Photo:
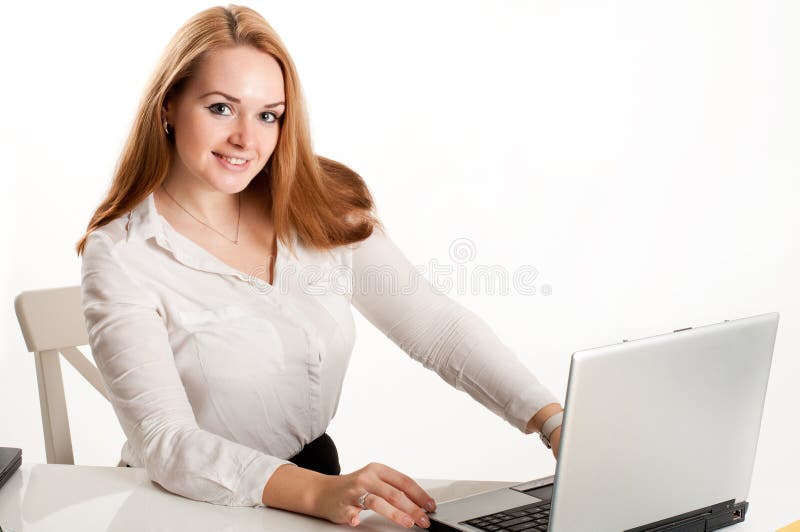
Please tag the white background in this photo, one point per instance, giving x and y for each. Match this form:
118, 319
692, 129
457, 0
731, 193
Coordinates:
642, 156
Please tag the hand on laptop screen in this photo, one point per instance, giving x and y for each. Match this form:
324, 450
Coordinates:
555, 439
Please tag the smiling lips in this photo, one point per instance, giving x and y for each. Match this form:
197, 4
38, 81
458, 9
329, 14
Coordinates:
232, 163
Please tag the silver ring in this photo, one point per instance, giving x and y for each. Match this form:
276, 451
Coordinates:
363, 499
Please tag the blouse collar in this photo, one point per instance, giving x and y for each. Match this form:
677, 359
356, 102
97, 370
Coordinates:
145, 222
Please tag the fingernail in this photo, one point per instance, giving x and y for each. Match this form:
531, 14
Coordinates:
424, 522
431, 506
408, 522
354, 521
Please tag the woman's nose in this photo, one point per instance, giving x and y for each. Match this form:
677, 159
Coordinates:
243, 135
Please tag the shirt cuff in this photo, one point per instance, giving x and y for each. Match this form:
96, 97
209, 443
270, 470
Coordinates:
520, 411
254, 478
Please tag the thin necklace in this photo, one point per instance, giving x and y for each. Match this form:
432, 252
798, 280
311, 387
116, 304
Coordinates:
239, 196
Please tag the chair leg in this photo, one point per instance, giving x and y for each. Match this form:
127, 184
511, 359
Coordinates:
55, 423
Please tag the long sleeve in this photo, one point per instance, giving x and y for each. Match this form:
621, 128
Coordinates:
130, 345
440, 333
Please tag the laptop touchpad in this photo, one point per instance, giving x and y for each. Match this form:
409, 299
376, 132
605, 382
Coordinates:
483, 503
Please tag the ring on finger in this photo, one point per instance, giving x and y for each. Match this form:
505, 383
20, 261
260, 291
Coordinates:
363, 499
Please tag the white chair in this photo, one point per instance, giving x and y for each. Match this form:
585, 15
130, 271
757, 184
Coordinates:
52, 323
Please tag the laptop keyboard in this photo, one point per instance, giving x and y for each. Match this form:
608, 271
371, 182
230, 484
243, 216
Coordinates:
531, 517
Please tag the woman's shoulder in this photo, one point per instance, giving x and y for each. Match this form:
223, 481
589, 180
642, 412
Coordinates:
111, 233
342, 250
109, 237
371, 249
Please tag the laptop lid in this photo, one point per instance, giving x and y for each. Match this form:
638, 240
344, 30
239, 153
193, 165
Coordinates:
661, 426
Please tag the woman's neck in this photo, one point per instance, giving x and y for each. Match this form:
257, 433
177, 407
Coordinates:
204, 202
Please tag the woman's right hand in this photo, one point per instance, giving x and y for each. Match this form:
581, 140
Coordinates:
391, 494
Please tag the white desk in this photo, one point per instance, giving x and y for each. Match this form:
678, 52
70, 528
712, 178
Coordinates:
62, 498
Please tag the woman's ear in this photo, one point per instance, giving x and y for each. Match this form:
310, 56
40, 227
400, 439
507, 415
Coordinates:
167, 109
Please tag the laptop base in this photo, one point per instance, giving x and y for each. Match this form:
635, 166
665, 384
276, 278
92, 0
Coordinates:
702, 520
706, 519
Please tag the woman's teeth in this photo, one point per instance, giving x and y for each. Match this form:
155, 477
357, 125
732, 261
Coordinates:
232, 160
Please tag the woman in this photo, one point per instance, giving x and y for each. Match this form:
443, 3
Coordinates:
217, 280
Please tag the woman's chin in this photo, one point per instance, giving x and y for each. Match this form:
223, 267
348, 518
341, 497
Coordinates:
231, 184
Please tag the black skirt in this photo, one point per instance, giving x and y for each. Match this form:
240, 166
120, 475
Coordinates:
319, 455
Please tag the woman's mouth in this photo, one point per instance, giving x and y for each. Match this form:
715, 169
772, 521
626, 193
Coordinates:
231, 163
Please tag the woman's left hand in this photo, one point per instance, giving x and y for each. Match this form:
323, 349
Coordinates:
555, 439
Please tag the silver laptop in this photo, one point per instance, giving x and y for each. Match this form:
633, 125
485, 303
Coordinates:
659, 434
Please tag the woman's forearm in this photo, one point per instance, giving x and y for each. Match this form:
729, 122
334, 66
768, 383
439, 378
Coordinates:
292, 488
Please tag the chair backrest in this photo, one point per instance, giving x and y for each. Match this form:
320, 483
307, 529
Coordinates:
52, 323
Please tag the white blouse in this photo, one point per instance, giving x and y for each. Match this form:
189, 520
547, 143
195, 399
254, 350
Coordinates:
218, 378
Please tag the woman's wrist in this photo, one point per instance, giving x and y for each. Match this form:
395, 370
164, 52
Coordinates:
540, 417
551, 424
293, 488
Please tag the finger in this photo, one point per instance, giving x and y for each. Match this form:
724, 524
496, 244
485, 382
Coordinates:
397, 499
378, 504
352, 516
408, 486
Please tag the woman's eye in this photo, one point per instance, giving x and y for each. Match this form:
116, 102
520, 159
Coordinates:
218, 108
269, 117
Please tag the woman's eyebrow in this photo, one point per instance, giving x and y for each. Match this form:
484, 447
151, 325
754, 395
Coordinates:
237, 100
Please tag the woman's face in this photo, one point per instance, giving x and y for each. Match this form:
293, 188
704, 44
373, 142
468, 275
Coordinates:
225, 119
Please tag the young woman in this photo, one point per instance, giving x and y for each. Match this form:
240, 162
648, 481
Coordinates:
218, 276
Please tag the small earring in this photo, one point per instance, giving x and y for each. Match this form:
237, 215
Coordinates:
166, 127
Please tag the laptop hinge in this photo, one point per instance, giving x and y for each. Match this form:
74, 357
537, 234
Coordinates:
702, 520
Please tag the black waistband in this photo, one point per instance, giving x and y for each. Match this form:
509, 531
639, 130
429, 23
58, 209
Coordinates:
319, 455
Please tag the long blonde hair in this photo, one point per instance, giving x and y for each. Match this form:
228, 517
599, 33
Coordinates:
323, 201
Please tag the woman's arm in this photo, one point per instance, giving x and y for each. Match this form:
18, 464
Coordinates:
442, 335
130, 345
